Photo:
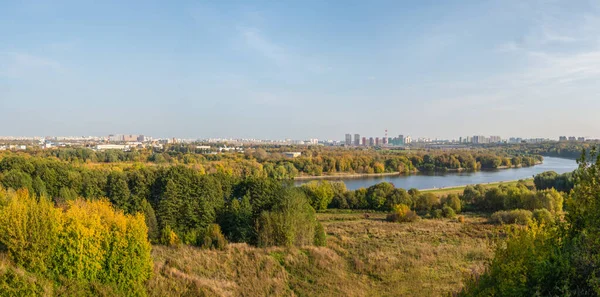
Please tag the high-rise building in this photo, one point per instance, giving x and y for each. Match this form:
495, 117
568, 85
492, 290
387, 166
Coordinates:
377, 141
495, 139
581, 139
356, 139
371, 141
384, 141
562, 138
348, 139
572, 138
407, 140
364, 141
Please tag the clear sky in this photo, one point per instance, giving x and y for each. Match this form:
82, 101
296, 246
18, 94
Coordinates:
300, 68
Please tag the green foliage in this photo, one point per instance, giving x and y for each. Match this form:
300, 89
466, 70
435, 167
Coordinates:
151, 222
320, 236
543, 216
515, 216
427, 202
448, 212
453, 201
168, 237
319, 193
212, 238
528, 263
291, 223
14, 282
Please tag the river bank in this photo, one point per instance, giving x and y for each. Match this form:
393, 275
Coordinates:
361, 175
448, 180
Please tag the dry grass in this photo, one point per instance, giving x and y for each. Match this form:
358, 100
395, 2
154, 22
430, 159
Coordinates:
364, 257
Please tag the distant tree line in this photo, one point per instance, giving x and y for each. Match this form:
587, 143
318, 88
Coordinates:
314, 161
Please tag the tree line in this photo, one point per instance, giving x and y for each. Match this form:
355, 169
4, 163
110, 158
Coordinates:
314, 161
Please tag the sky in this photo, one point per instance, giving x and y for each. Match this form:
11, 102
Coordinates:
300, 69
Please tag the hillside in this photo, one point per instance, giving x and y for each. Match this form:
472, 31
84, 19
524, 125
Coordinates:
363, 257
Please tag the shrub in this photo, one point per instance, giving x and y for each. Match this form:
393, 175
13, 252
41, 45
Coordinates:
453, 201
427, 202
460, 219
515, 216
436, 214
169, 237
448, 212
291, 223
543, 216
320, 236
212, 238
402, 213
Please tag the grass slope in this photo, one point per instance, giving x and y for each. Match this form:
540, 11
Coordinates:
364, 257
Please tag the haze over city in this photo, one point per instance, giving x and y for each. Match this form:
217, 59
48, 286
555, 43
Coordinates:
299, 69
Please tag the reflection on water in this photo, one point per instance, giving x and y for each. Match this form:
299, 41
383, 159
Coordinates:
441, 180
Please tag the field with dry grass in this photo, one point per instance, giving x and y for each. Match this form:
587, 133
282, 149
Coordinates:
365, 256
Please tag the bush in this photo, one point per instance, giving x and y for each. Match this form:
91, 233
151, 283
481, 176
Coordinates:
427, 202
291, 223
212, 238
402, 213
453, 201
448, 212
320, 236
437, 214
460, 219
169, 237
543, 216
516, 216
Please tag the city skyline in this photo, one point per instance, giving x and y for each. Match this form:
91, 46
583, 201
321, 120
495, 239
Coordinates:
278, 70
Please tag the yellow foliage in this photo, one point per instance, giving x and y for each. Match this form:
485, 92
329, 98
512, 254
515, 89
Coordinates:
88, 241
29, 229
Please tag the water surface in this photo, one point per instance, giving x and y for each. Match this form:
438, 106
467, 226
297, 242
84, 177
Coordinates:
441, 180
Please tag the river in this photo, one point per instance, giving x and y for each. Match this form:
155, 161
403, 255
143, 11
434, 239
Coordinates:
442, 180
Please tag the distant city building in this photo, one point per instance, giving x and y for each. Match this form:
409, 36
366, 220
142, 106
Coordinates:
348, 139
377, 141
407, 140
292, 154
364, 141
562, 138
572, 138
371, 141
102, 147
115, 138
581, 139
495, 139
515, 140
356, 139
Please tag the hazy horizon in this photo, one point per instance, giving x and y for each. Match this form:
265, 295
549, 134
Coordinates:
306, 69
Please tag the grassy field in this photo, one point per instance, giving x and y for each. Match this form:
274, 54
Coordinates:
365, 256
459, 190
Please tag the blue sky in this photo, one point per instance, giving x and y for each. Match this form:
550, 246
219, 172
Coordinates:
300, 69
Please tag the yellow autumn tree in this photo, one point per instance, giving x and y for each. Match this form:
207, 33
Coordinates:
87, 241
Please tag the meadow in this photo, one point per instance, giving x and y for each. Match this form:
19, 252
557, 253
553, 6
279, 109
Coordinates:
365, 256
